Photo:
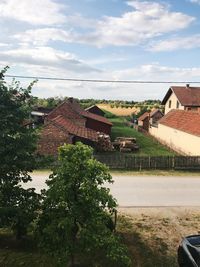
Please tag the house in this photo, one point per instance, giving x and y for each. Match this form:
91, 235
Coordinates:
147, 119
183, 98
95, 110
155, 116
38, 114
143, 121
69, 123
179, 130
72, 110
61, 130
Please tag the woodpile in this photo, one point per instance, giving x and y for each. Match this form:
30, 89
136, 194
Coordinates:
104, 143
125, 144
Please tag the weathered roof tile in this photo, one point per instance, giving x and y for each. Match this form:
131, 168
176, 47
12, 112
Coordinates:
186, 121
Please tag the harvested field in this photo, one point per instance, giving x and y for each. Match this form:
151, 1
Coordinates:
119, 111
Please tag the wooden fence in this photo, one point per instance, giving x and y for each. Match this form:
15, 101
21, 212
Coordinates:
130, 162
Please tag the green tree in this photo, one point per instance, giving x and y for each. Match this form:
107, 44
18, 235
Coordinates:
17, 144
76, 218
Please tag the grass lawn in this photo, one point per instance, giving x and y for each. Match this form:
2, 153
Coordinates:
148, 145
152, 236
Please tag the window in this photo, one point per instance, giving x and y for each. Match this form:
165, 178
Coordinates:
170, 103
177, 104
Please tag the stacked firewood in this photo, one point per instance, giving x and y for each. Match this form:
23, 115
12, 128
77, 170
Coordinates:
104, 143
125, 144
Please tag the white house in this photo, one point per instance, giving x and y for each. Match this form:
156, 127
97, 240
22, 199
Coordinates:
179, 130
183, 98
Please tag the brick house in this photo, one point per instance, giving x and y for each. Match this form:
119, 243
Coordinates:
61, 130
73, 111
69, 123
183, 98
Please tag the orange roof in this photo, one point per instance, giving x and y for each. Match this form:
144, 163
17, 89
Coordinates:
185, 121
187, 96
143, 116
67, 125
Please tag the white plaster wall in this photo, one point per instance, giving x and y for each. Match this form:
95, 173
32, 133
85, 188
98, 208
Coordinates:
173, 99
179, 141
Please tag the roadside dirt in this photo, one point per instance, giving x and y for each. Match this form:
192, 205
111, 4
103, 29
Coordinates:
154, 234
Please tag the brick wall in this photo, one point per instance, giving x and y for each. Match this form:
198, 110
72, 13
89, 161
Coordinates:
51, 138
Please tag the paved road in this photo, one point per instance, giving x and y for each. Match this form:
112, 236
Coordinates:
143, 191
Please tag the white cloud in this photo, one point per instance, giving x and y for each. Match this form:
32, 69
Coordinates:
44, 35
113, 90
195, 1
45, 57
146, 21
35, 12
175, 43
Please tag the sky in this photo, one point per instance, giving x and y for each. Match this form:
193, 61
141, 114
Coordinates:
101, 39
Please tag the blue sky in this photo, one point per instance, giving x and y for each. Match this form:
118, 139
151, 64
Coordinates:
101, 39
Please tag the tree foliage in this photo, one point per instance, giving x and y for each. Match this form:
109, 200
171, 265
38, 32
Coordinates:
17, 144
76, 217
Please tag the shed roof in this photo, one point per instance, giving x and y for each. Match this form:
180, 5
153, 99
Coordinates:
94, 106
143, 116
75, 106
67, 125
186, 121
152, 113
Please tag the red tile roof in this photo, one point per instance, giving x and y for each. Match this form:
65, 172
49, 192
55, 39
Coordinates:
186, 121
73, 105
187, 96
67, 125
76, 106
143, 116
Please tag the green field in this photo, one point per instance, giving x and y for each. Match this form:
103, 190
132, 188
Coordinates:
148, 145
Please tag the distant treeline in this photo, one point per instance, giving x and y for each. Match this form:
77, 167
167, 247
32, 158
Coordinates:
52, 102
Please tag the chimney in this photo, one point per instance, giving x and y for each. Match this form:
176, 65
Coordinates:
187, 85
70, 99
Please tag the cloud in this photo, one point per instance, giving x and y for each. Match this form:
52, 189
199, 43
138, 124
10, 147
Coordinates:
147, 20
44, 35
175, 43
195, 1
153, 72
45, 57
35, 12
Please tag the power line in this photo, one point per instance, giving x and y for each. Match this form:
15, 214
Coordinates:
99, 80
